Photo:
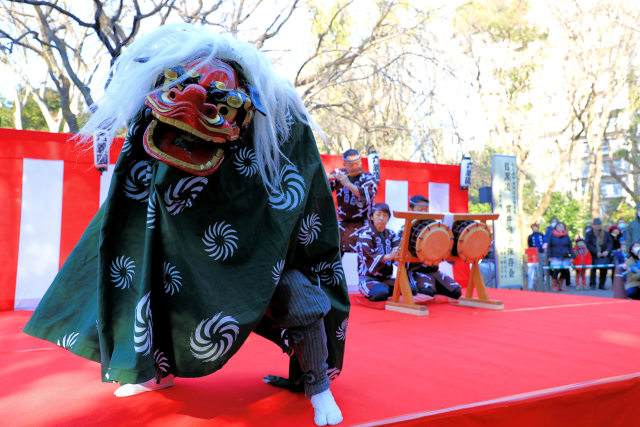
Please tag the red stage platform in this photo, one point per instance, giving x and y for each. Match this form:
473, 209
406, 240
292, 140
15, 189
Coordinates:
546, 359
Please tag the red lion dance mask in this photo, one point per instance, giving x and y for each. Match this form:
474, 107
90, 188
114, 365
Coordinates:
193, 119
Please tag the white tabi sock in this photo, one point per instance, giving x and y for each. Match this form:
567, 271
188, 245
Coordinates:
326, 409
133, 389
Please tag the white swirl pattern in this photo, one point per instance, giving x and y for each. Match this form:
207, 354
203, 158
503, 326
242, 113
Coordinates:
151, 210
291, 191
185, 192
136, 184
246, 162
221, 241
68, 340
122, 271
161, 361
171, 278
143, 326
309, 229
330, 274
214, 337
277, 271
341, 333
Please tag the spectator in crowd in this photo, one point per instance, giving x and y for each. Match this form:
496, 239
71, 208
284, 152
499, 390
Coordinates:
599, 244
560, 254
587, 229
632, 267
622, 225
535, 240
377, 248
633, 230
547, 233
581, 260
616, 240
355, 190
426, 279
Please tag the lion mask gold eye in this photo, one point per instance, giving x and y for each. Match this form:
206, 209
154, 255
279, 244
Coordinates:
170, 74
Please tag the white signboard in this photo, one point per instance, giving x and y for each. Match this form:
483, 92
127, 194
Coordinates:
504, 185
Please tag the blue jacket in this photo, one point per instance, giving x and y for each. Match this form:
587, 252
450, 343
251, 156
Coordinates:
560, 246
535, 240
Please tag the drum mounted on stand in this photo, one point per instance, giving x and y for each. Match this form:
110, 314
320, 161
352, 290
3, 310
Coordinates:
430, 241
472, 240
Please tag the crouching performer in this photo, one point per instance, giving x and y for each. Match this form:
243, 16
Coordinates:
377, 248
219, 222
426, 279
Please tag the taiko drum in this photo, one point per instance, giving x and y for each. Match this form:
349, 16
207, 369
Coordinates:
430, 241
472, 240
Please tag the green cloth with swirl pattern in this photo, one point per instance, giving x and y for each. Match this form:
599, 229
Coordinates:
176, 270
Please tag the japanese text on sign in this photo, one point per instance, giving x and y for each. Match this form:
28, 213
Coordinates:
504, 183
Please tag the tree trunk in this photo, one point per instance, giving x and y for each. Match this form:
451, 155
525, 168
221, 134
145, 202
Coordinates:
600, 128
52, 123
546, 198
521, 223
19, 103
597, 178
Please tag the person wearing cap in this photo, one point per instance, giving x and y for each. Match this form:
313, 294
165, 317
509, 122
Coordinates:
599, 244
355, 190
632, 234
377, 248
426, 279
581, 260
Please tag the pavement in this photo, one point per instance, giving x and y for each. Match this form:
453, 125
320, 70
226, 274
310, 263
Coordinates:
604, 293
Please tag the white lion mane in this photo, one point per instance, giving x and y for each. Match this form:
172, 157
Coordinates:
135, 71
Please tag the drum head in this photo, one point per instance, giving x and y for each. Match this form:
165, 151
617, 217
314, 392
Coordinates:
474, 242
434, 243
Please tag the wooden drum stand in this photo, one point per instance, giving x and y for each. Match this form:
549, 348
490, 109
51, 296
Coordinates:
427, 241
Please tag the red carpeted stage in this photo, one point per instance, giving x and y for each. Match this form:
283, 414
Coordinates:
546, 359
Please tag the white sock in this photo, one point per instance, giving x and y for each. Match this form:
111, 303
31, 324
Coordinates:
326, 409
133, 389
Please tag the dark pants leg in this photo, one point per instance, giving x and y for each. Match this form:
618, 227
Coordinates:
300, 307
376, 289
445, 285
603, 278
424, 283
565, 274
592, 278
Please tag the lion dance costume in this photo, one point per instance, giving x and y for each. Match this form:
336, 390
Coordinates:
219, 222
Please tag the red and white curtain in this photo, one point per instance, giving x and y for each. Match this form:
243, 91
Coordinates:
51, 190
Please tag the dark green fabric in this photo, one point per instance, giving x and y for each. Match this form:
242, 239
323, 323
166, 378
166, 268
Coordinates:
175, 271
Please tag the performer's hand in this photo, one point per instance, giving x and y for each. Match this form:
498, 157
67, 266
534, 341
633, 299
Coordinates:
343, 178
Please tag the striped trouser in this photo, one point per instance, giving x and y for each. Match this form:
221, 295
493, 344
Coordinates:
300, 306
